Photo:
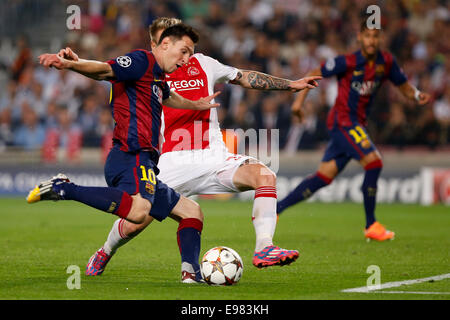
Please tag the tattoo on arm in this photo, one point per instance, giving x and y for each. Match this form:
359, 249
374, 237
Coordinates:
238, 76
262, 81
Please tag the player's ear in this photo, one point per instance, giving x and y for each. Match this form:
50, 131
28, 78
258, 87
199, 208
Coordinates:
165, 43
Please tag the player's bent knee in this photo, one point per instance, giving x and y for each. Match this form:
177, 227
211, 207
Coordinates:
186, 208
266, 177
375, 164
328, 170
140, 209
195, 211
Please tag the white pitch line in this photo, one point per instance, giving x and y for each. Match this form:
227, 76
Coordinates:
412, 292
394, 284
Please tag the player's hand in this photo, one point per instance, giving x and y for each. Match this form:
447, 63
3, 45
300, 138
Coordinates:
53, 60
68, 54
424, 98
205, 103
305, 83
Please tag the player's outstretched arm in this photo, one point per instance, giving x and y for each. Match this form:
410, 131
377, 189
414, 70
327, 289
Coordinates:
178, 102
296, 108
412, 93
262, 81
67, 59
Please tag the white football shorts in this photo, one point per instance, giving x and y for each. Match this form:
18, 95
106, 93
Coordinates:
195, 172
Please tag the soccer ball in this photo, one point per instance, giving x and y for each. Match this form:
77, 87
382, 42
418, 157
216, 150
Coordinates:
221, 266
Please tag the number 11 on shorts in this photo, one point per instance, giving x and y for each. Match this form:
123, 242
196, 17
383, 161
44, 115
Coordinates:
358, 134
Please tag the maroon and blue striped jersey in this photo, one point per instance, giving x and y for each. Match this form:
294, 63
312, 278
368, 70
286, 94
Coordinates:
137, 92
358, 82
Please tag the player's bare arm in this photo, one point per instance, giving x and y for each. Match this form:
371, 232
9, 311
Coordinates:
258, 80
67, 59
178, 102
412, 93
296, 107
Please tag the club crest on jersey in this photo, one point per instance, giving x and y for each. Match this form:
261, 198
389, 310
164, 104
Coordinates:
150, 188
124, 61
193, 71
379, 69
158, 92
365, 88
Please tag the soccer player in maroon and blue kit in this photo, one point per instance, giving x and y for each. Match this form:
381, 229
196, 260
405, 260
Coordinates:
359, 76
138, 91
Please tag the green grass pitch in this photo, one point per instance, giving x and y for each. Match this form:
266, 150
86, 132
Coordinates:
39, 242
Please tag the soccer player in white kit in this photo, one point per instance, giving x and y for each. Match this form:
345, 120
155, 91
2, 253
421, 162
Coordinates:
195, 160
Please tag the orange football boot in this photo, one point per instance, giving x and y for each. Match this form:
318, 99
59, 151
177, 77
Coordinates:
378, 232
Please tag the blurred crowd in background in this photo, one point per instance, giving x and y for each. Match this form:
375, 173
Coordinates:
48, 109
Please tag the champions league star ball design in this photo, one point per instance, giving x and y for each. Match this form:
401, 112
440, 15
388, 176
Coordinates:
221, 266
124, 61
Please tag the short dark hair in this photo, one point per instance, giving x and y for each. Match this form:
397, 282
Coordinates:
178, 31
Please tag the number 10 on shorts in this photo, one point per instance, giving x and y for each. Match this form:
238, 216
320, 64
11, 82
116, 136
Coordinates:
148, 175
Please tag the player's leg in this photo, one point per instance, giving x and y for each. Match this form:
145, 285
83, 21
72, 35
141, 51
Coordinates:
256, 176
355, 141
333, 162
134, 174
190, 217
326, 172
108, 199
122, 232
372, 164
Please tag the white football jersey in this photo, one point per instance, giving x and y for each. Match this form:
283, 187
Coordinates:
189, 129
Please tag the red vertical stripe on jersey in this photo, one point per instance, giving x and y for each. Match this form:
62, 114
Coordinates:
136, 177
388, 60
144, 106
369, 75
344, 86
121, 112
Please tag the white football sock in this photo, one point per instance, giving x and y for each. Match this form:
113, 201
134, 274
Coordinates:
264, 216
116, 238
185, 266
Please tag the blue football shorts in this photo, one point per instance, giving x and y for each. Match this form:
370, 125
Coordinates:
348, 143
136, 173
